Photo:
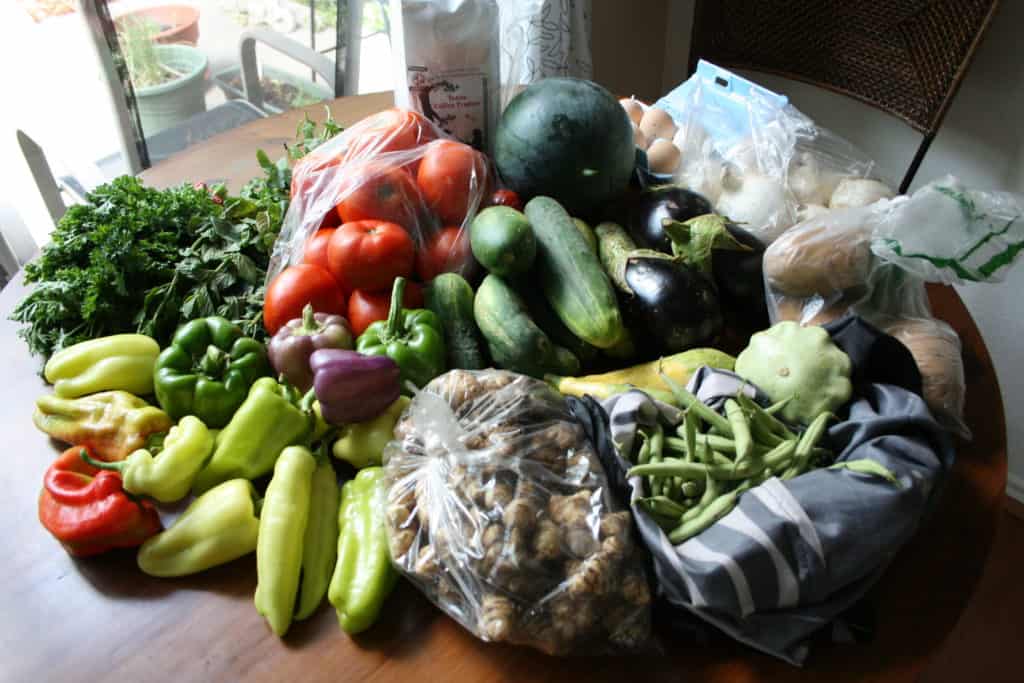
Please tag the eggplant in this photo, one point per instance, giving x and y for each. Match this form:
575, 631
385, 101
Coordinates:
353, 387
739, 276
648, 211
675, 303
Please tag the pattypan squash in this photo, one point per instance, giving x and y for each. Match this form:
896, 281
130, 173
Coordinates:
799, 363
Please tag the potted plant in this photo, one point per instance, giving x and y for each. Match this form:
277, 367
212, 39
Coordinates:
175, 23
169, 80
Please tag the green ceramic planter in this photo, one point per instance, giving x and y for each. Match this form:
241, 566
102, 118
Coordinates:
168, 104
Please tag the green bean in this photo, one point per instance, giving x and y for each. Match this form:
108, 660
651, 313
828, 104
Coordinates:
868, 466
707, 516
691, 489
740, 430
661, 505
691, 471
691, 402
644, 455
780, 455
657, 486
690, 434
765, 419
778, 405
809, 439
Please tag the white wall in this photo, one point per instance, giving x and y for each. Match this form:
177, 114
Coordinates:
981, 141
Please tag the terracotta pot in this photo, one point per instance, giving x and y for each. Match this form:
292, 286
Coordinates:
182, 22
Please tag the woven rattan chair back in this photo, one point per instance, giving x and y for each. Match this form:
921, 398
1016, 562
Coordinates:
904, 57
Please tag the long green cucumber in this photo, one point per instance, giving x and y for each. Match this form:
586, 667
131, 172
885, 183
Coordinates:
571, 276
514, 340
450, 297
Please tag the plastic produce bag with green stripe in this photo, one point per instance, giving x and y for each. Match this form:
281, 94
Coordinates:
874, 261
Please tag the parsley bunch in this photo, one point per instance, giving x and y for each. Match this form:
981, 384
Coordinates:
138, 259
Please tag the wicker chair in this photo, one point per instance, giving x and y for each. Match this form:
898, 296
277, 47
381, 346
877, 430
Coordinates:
904, 57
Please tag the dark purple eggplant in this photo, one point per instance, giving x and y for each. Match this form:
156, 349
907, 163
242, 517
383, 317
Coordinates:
675, 304
739, 276
647, 212
353, 387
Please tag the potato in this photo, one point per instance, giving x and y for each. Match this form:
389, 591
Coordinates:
936, 350
818, 258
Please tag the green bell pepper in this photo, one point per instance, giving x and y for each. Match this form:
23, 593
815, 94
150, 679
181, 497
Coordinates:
320, 543
267, 422
363, 577
362, 444
413, 338
207, 370
168, 477
219, 526
283, 524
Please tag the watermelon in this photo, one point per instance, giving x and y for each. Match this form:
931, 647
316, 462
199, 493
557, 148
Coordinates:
566, 138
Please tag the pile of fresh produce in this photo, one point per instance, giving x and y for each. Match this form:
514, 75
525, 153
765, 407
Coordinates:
427, 310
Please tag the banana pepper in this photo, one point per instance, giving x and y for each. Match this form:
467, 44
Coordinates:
320, 542
269, 420
111, 423
362, 444
413, 338
88, 511
363, 577
168, 477
121, 362
219, 526
283, 524
207, 370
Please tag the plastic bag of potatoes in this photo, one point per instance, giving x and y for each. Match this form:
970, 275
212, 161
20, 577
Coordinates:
874, 261
500, 512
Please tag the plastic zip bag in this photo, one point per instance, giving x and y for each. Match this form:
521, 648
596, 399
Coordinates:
500, 512
373, 171
874, 261
757, 158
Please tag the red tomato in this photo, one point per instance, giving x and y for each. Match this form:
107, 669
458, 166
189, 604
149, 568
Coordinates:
382, 193
297, 286
366, 308
447, 252
448, 175
306, 171
391, 130
330, 220
316, 248
507, 198
370, 254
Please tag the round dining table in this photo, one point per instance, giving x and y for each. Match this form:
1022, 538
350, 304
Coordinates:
101, 618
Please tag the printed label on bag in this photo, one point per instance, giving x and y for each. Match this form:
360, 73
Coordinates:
456, 101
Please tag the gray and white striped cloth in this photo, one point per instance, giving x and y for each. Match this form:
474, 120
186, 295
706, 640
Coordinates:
793, 555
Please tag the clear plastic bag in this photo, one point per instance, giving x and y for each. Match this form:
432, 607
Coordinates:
757, 158
500, 512
373, 170
874, 261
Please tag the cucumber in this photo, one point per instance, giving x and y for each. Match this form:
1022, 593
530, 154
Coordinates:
613, 247
551, 324
514, 340
587, 232
450, 297
502, 241
571, 276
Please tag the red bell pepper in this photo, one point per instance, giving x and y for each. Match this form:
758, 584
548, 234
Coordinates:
87, 510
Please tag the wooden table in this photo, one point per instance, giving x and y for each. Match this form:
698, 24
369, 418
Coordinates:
102, 619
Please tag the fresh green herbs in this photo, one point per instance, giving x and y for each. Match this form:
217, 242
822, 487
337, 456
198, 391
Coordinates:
138, 259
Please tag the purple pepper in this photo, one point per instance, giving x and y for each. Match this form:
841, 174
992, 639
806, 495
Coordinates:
352, 387
291, 347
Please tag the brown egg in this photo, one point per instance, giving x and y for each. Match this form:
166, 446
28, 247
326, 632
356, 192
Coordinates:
639, 139
656, 123
633, 108
663, 156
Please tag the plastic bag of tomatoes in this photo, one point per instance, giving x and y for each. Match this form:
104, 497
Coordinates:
390, 196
